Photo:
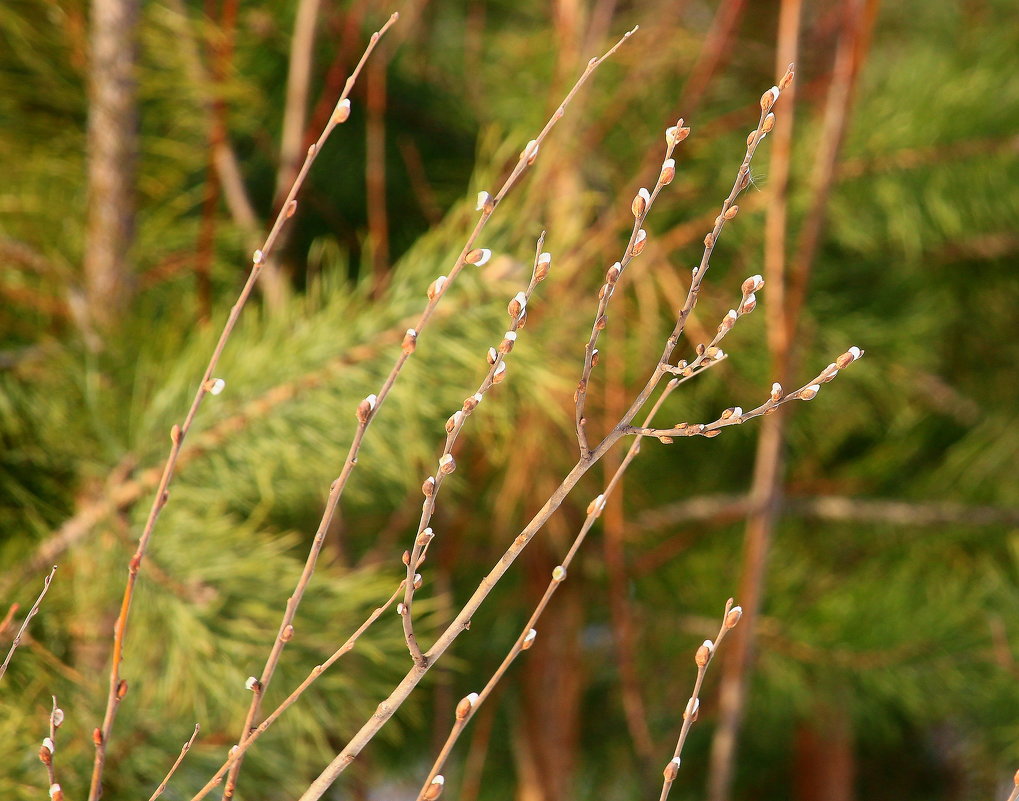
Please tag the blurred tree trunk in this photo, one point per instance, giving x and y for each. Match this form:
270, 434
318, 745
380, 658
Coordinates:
112, 155
825, 763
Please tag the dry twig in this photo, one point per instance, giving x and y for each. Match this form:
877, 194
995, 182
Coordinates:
173, 768
208, 384
703, 658
28, 618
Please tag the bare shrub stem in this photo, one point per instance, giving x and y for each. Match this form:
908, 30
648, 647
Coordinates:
118, 686
28, 618
730, 617
173, 768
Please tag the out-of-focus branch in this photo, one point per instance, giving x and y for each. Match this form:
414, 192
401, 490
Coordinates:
28, 619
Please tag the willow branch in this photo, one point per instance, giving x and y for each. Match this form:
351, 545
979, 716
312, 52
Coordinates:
703, 658
517, 310
173, 768
48, 750
238, 751
471, 703
370, 406
728, 212
641, 207
735, 415
28, 619
118, 686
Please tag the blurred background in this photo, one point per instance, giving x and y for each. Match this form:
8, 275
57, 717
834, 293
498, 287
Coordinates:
871, 535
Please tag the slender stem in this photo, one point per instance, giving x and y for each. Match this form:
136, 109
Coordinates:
48, 751
118, 687
433, 484
735, 415
526, 638
704, 656
725, 214
28, 618
173, 768
641, 207
238, 751
436, 292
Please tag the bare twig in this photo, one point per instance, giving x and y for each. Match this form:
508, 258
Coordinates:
370, 406
471, 703
173, 768
28, 618
238, 751
48, 750
703, 658
447, 464
641, 206
118, 686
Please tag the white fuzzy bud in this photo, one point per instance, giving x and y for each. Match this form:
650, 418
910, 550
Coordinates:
216, 386
483, 200
49, 745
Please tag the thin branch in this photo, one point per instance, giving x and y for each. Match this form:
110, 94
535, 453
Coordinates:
641, 206
470, 704
517, 309
28, 618
735, 415
48, 750
388, 707
238, 751
703, 658
118, 686
173, 768
728, 212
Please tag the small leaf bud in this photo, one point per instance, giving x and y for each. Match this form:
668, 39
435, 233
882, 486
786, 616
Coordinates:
613, 273
447, 464
769, 124
672, 769
500, 373
57, 717
418, 581
214, 386
454, 420
704, 653
692, 708
56, 794
410, 341
709, 240
731, 212
466, 704
596, 506
366, 407
401, 609
768, 98
258, 257
508, 339
668, 172
530, 152
288, 634
492, 356
542, 267
121, 689
749, 304
428, 487
517, 305
809, 393
753, 284
253, 684
849, 357
640, 202
478, 256
639, 242
787, 78
776, 391
435, 288
291, 209
484, 200
425, 537
528, 639
594, 357
733, 616
434, 789
342, 111
559, 574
